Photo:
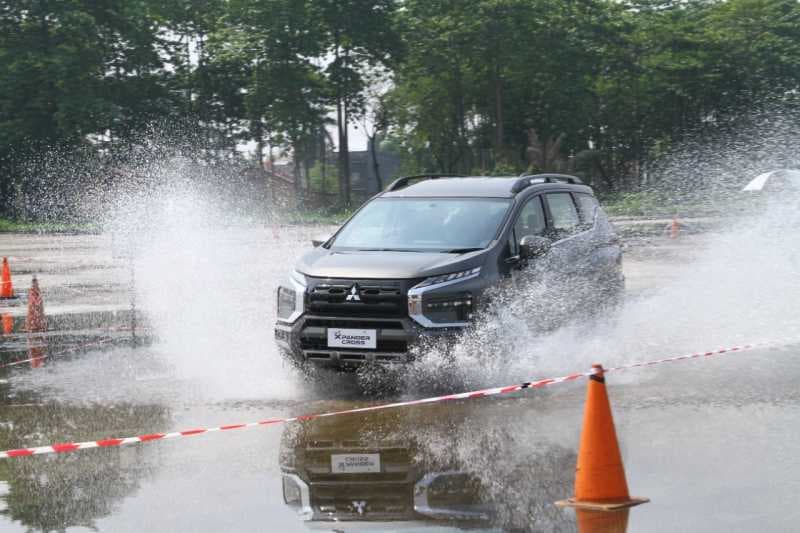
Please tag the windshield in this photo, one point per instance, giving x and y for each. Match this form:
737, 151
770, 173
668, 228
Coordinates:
454, 225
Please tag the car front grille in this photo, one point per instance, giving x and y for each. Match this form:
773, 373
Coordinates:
353, 323
353, 298
376, 500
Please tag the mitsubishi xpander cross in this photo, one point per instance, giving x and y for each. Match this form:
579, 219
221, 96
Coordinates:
419, 259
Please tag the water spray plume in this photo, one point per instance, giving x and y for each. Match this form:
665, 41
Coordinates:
180, 236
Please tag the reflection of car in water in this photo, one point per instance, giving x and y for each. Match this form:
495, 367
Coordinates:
418, 261
456, 465
333, 472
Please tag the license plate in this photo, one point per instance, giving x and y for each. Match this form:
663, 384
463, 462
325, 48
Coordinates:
356, 463
352, 338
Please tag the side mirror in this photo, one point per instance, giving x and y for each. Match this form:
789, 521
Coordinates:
319, 241
532, 246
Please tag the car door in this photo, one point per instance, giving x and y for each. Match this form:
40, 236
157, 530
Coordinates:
605, 252
571, 239
531, 220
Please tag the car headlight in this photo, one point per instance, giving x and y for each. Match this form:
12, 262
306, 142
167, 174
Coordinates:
433, 309
287, 302
296, 495
447, 278
450, 309
291, 298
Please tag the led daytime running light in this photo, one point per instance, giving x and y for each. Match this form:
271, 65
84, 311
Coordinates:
444, 278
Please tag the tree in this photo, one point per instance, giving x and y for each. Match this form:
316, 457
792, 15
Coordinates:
360, 36
71, 70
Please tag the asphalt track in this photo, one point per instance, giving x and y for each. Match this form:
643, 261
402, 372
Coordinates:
712, 442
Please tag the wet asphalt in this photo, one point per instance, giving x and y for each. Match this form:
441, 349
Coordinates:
712, 442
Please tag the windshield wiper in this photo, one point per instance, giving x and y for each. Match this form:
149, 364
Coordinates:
461, 250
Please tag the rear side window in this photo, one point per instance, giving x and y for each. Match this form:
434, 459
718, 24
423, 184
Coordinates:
562, 211
587, 208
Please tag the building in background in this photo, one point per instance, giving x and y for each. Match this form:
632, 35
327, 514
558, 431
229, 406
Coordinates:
366, 179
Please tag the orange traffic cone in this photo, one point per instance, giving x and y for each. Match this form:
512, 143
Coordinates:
35, 321
674, 228
8, 324
6, 288
602, 521
600, 483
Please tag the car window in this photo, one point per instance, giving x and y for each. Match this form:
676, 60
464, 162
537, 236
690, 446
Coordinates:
587, 207
530, 220
562, 212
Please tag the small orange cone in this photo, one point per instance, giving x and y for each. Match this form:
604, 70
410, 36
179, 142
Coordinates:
35, 321
8, 324
600, 483
674, 228
602, 521
6, 288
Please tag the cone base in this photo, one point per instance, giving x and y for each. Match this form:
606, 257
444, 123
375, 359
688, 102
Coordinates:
602, 506
5, 298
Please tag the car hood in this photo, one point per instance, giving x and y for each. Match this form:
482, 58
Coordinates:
323, 263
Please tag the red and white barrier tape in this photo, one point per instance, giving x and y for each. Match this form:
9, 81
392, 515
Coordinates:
113, 442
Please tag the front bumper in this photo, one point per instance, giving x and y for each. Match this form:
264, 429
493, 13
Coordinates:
306, 340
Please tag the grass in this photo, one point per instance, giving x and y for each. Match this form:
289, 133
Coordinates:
16, 226
653, 204
321, 216
634, 204
661, 205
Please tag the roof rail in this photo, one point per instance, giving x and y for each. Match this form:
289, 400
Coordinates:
530, 179
399, 183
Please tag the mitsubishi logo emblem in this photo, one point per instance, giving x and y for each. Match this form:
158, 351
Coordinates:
360, 507
353, 296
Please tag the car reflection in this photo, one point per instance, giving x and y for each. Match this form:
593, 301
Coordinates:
336, 471
442, 466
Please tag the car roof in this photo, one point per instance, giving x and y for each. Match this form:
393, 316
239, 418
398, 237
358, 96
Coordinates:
474, 186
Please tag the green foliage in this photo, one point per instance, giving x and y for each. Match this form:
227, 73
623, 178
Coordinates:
327, 184
591, 86
13, 226
322, 216
598, 87
637, 204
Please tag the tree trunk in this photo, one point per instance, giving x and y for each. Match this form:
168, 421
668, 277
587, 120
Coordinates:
342, 154
373, 150
345, 150
258, 133
324, 162
499, 139
298, 182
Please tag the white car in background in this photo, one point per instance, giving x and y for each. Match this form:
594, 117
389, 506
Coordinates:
774, 181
